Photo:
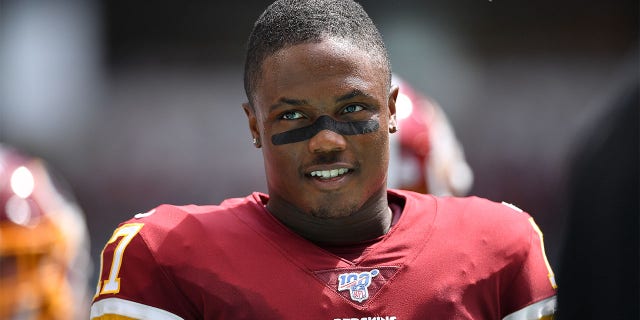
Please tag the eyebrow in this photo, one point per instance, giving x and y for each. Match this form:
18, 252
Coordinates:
300, 102
289, 101
353, 94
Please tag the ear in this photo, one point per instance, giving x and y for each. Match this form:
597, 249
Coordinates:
253, 123
393, 96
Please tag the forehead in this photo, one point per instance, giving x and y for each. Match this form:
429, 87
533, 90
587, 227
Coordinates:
315, 68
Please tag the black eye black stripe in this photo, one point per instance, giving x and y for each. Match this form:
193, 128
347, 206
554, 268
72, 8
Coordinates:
325, 123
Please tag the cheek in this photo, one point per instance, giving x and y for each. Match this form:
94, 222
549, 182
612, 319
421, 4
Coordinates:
379, 151
380, 142
373, 150
280, 161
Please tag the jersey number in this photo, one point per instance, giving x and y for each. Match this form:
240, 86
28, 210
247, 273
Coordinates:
124, 234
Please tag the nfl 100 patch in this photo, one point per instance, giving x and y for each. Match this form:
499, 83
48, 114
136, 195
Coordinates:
358, 285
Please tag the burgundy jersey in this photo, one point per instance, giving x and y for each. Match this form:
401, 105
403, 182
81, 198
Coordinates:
445, 258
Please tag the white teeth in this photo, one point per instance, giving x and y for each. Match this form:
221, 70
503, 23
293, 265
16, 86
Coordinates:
326, 174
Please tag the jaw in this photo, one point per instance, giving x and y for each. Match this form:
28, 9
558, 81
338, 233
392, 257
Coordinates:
328, 201
334, 218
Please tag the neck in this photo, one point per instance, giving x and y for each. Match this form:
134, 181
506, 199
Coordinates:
370, 222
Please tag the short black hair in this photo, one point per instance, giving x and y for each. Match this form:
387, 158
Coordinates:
290, 22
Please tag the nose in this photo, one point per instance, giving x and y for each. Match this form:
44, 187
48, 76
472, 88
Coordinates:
327, 141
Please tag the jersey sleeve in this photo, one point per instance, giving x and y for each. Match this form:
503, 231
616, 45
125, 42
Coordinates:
131, 284
532, 292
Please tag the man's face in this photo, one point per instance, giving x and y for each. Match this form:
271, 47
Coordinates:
330, 174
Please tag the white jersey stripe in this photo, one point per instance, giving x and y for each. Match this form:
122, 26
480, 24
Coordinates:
535, 311
130, 309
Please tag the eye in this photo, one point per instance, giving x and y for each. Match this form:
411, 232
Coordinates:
291, 115
352, 108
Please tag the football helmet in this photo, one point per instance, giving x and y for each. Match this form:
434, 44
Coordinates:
44, 257
426, 156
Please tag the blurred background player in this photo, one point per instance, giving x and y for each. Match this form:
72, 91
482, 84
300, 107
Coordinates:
44, 250
425, 154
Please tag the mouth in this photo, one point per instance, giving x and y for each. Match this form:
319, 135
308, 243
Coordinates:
329, 174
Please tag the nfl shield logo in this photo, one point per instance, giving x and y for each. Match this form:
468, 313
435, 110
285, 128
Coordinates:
357, 283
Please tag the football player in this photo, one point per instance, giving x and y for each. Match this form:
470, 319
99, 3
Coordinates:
425, 154
44, 254
329, 240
